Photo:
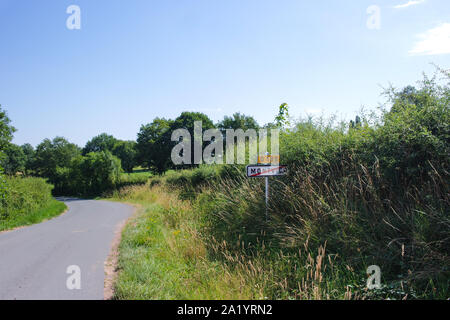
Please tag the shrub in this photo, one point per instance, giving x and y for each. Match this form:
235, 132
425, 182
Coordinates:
27, 201
129, 179
27, 194
155, 182
89, 175
204, 175
3, 191
101, 171
191, 182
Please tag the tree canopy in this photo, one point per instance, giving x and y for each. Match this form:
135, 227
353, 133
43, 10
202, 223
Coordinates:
126, 152
13, 160
238, 121
51, 154
29, 152
6, 130
153, 144
102, 142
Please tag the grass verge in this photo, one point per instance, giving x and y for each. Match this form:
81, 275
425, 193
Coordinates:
166, 253
162, 255
53, 209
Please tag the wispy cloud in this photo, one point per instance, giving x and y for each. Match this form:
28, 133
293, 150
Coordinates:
409, 3
433, 42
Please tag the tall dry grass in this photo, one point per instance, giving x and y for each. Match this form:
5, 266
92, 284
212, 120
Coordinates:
350, 208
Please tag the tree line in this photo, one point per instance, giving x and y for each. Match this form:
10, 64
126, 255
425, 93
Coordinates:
98, 165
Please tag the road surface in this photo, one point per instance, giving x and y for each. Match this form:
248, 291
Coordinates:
34, 260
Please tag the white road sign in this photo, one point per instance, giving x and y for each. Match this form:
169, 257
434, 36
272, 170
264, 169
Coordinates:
256, 171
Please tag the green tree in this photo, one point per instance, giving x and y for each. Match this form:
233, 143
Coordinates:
186, 121
427, 94
154, 145
100, 172
88, 175
154, 142
6, 130
355, 124
282, 119
102, 142
126, 152
6, 134
53, 154
29, 153
238, 121
13, 160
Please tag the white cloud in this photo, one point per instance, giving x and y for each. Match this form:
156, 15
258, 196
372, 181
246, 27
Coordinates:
433, 42
408, 4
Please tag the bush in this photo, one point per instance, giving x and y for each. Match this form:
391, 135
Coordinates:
101, 171
26, 194
155, 182
413, 141
129, 179
191, 181
27, 201
204, 175
3, 189
93, 174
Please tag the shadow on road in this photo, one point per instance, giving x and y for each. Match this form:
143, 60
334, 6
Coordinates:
68, 199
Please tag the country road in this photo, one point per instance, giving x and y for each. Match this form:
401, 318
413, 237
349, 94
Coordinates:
34, 260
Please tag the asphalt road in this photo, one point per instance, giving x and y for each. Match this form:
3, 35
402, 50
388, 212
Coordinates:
34, 260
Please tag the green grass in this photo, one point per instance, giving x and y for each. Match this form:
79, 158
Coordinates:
162, 256
165, 254
140, 169
53, 209
169, 251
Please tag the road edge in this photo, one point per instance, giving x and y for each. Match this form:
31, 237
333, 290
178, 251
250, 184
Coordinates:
111, 263
43, 221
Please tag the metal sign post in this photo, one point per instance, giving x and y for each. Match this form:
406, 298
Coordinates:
266, 171
267, 198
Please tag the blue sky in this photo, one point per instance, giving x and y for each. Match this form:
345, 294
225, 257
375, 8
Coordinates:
132, 61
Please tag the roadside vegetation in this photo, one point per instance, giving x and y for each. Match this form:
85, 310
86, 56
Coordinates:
162, 254
23, 200
27, 201
374, 191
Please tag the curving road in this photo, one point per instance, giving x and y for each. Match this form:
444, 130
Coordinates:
34, 260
